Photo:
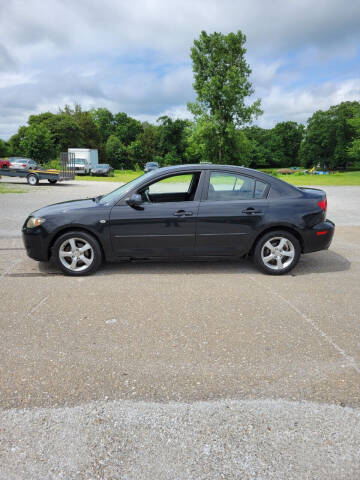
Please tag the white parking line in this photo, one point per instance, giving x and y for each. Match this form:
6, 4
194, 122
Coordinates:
314, 325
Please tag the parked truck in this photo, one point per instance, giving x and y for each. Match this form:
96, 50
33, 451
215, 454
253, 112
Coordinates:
85, 159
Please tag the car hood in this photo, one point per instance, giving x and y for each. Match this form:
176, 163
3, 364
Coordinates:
65, 207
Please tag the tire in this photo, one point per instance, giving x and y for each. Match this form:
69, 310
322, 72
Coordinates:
32, 179
69, 258
52, 181
277, 252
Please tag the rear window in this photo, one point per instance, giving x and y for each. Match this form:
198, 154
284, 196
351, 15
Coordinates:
230, 187
260, 188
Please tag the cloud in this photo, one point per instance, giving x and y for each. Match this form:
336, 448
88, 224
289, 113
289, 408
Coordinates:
134, 56
7, 63
299, 104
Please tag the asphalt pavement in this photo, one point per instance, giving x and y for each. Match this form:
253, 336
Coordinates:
169, 370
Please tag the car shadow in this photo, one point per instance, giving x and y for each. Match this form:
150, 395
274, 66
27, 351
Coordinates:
313, 263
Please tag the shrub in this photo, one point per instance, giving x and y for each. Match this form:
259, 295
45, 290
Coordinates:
53, 164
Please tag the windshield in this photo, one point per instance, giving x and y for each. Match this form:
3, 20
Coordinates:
79, 161
115, 195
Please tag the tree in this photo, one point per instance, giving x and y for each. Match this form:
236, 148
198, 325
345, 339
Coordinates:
89, 132
116, 152
126, 128
289, 136
15, 148
71, 127
203, 145
4, 150
104, 120
65, 132
172, 138
354, 147
222, 85
37, 143
149, 140
328, 136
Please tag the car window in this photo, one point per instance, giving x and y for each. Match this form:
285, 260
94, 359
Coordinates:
260, 188
229, 186
177, 188
120, 192
175, 184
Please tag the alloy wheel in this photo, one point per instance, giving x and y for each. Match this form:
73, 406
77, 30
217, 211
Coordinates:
76, 254
278, 253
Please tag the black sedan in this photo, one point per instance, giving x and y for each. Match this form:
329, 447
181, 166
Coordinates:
184, 212
103, 170
149, 166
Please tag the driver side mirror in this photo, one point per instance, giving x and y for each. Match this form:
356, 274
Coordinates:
135, 200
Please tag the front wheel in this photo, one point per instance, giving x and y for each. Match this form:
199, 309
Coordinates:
77, 253
277, 252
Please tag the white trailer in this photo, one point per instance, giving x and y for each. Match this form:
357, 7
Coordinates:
85, 159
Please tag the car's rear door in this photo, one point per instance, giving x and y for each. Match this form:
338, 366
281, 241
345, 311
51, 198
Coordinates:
231, 211
164, 225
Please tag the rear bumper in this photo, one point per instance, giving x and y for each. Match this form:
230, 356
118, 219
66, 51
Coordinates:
35, 244
318, 237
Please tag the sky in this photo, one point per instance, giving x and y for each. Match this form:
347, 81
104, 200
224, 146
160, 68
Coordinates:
134, 56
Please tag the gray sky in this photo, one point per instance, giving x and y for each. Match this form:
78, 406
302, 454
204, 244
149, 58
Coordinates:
134, 56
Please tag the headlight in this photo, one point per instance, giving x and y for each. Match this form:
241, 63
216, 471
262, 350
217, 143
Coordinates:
34, 222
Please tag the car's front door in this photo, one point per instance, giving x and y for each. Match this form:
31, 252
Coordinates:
232, 209
164, 224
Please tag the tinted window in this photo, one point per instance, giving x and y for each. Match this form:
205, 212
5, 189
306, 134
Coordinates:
229, 186
177, 188
260, 188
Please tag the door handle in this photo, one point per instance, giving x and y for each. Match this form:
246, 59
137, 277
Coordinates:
251, 211
182, 213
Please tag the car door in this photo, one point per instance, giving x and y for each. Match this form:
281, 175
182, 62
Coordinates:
232, 209
164, 225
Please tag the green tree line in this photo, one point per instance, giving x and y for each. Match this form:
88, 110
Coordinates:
221, 129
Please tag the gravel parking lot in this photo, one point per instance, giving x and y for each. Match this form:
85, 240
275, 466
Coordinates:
196, 370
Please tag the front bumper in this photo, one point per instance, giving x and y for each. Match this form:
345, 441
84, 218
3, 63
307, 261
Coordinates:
318, 237
35, 243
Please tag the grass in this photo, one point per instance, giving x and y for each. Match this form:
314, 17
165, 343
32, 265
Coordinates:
9, 189
336, 179
123, 176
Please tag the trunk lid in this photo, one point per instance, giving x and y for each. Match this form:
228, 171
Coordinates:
318, 195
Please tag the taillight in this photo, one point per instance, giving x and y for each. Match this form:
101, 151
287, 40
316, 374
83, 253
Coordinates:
323, 204
24, 165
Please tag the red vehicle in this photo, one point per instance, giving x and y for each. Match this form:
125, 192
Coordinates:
4, 163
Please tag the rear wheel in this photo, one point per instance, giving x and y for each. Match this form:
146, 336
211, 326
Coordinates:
32, 179
277, 252
77, 253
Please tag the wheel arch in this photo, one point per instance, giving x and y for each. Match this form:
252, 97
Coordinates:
273, 228
69, 228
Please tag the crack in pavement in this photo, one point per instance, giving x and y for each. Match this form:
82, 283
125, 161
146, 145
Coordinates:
351, 361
